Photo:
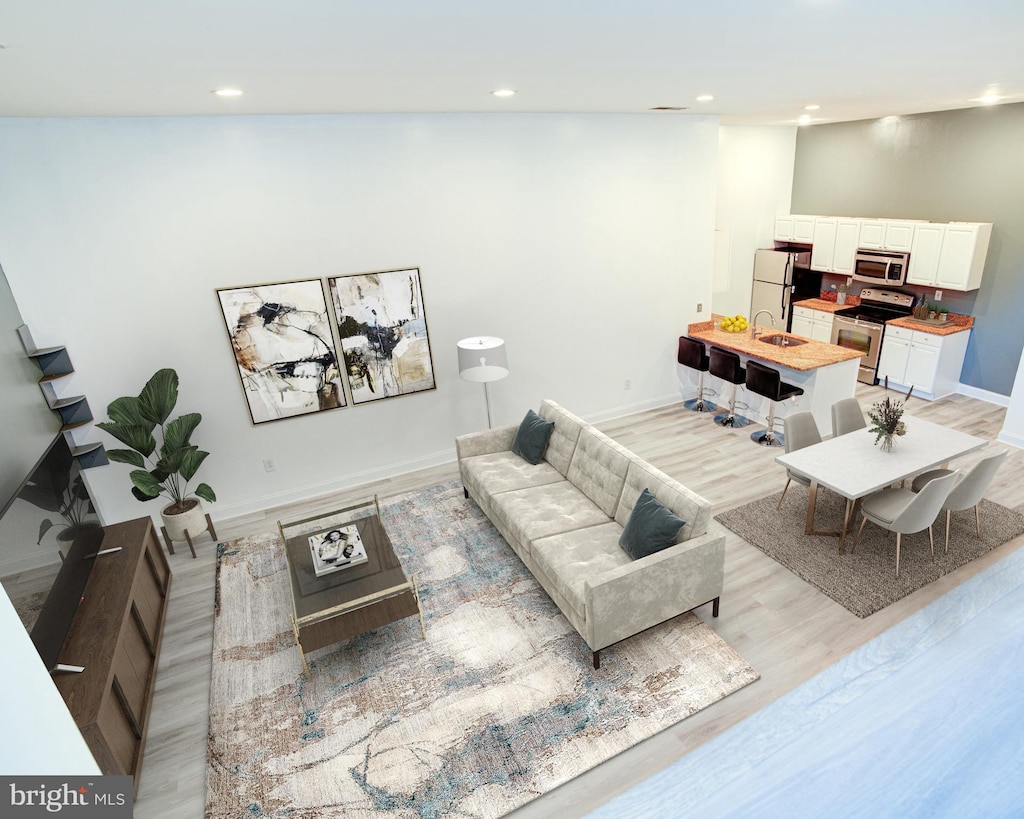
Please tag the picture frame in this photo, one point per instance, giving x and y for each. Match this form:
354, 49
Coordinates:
283, 347
382, 329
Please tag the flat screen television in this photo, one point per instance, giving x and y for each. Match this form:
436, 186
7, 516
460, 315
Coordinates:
49, 537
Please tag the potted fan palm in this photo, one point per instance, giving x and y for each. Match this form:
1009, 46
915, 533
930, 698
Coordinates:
165, 471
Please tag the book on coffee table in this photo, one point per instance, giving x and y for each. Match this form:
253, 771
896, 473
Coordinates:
336, 549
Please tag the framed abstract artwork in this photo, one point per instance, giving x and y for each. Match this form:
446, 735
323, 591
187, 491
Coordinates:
383, 332
286, 356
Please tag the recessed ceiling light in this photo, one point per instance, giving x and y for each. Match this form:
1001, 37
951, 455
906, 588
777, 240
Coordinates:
504, 92
228, 92
812, 107
805, 119
988, 99
705, 98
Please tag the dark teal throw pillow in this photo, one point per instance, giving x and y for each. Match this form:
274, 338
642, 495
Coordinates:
531, 441
650, 528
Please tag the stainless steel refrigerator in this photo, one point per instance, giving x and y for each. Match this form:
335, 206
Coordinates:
782, 277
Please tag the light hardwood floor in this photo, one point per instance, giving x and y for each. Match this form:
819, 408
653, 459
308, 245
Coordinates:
785, 628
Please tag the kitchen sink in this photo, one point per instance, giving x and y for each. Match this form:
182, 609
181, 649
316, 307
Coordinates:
781, 341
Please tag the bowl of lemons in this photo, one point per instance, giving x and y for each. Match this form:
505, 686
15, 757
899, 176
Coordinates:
734, 324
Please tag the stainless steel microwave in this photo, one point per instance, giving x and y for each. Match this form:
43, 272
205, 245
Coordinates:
881, 266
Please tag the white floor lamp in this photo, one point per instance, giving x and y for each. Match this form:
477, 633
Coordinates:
482, 359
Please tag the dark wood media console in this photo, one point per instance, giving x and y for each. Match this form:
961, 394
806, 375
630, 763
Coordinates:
116, 635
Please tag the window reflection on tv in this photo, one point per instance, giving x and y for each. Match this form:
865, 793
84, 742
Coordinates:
49, 536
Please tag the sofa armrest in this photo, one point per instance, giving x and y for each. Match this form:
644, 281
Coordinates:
486, 441
628, 599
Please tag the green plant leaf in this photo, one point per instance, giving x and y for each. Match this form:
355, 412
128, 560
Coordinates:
139, 438
205, 492
177, 433
127, 411
191, 462
126, 456
44, 526
158, 397
146, 483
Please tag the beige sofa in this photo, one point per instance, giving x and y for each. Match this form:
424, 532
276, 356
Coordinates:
563, 518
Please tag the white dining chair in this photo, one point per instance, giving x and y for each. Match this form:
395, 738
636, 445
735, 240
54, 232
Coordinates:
847, 416
800, 431
905, 512
969, 491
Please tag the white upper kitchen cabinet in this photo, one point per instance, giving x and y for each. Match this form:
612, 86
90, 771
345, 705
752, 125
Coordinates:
887, 234
950, 256
834, 244
823, 244
794, 228
925, 252
962, 260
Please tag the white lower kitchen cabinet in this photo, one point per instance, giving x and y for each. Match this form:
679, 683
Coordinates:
928, 362
813, 324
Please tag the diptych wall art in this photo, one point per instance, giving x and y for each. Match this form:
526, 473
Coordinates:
284, 349
383, 333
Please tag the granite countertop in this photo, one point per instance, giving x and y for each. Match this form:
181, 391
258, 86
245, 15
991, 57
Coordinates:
810, 356
827, 305
956, 323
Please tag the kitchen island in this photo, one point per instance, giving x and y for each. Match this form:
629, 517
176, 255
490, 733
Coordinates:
825, 372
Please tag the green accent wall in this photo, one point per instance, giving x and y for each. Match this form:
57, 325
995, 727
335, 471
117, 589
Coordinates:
949, 166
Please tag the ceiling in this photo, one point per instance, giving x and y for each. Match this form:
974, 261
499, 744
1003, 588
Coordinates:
763, 60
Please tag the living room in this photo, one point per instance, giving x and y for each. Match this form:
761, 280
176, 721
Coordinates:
586, 241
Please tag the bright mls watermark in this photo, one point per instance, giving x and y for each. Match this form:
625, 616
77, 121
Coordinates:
82, 797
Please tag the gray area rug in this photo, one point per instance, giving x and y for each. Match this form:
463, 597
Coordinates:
498, 705
864, 582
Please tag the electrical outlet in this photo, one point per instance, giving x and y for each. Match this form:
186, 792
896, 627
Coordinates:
938, 295
269, 465
700, 307
628, 385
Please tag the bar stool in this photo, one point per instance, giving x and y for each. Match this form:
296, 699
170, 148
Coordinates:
691, 354
767, 382
726, 365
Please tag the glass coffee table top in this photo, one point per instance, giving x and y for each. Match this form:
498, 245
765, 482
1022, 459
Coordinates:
362, 584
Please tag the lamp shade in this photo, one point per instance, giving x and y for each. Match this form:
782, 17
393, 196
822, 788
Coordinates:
482, 359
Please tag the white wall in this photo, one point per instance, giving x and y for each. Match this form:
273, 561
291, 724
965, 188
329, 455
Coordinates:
1013, 424
755, 180
584, 241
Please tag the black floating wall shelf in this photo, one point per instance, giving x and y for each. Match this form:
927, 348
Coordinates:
55, 364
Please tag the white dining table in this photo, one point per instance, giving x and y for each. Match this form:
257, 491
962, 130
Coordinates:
853, 467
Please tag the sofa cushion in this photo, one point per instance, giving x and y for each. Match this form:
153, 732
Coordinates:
675, 497
504, 472
598, 469
570, 559
563, 437
531, 441
650, 528
540, 511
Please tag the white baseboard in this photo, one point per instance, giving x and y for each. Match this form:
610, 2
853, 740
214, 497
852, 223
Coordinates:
1011, 439
996, 398
257, 507
630, 409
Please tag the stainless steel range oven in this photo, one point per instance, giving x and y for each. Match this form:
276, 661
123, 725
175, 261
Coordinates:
862, 327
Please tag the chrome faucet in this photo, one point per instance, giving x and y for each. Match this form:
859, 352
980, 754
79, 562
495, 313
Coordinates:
753, 322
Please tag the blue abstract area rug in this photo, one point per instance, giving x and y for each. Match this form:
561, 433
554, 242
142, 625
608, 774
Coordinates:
498, 705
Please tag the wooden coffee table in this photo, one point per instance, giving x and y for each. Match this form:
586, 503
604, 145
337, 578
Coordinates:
355, 599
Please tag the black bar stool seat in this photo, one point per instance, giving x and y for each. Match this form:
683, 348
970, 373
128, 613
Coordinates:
726, 365
692, 354
767, 382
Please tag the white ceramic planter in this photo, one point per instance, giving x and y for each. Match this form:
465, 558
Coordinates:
193, 520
